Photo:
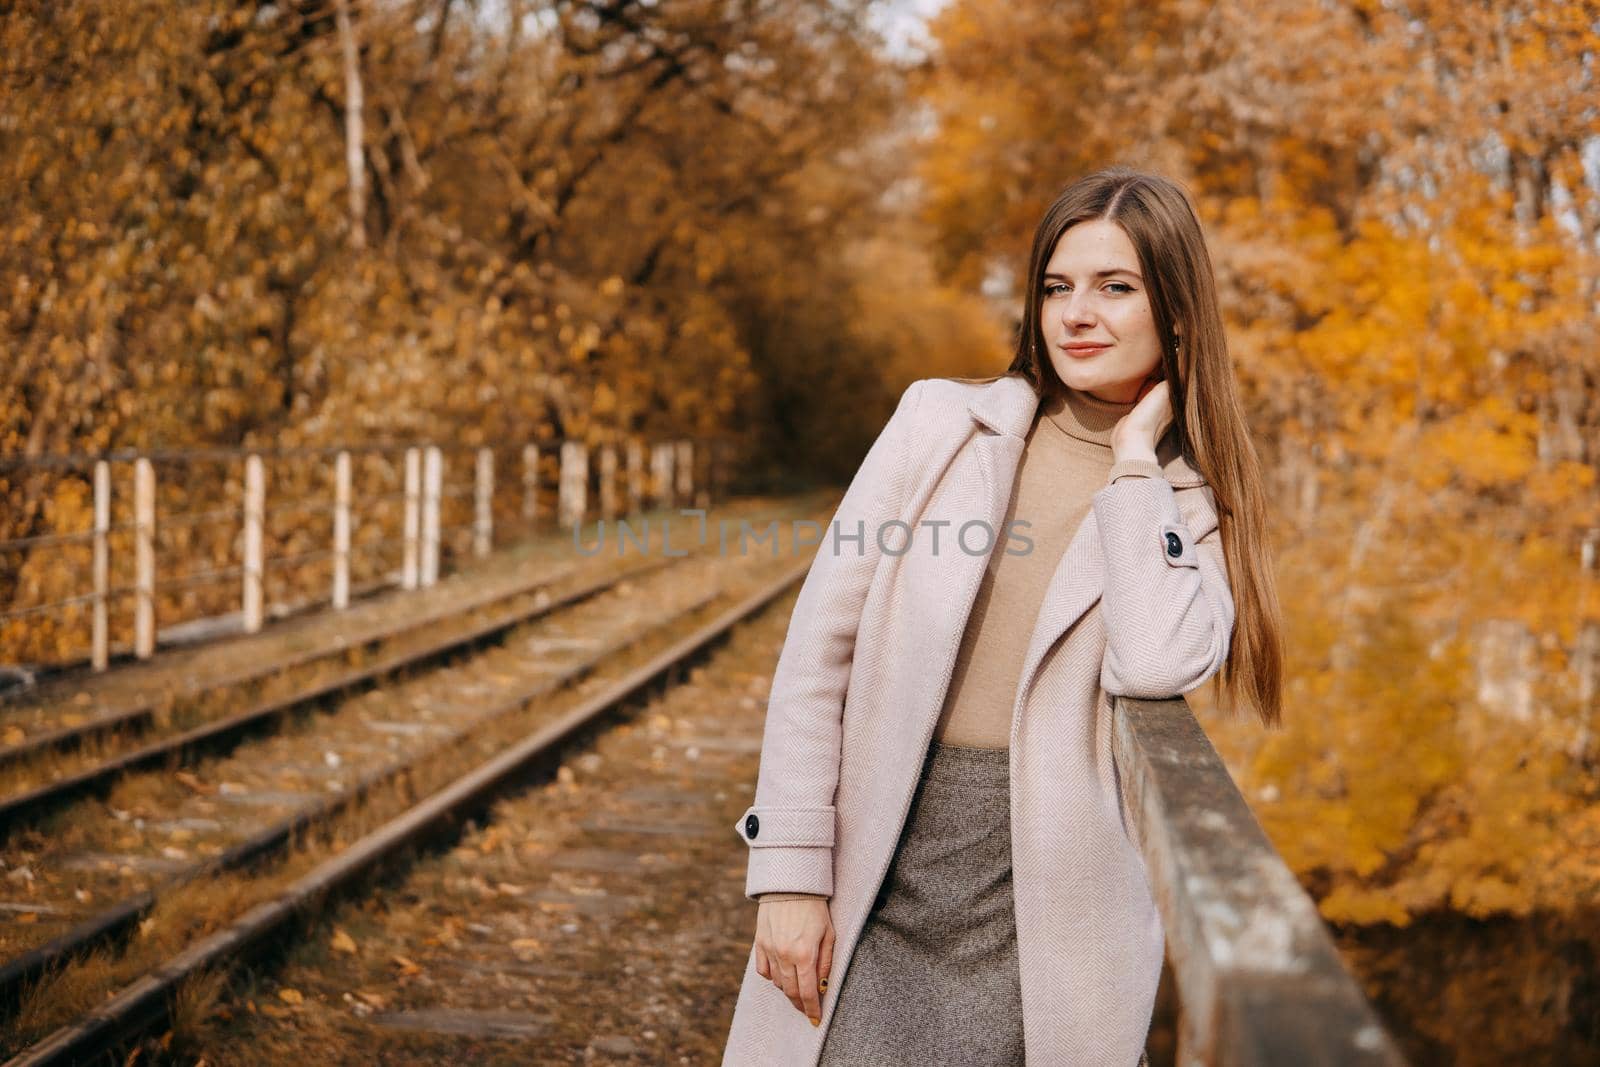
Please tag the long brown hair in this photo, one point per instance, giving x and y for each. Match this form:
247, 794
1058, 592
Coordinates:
1208, 419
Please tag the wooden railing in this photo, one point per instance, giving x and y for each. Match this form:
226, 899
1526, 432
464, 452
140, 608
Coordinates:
1259, 979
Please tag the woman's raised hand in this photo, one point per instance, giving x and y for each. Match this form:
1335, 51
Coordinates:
794, 949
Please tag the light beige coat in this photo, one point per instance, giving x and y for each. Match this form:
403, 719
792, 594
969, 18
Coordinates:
1139, 606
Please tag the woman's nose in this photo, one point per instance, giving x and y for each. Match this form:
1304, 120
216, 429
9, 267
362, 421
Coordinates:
1077, 312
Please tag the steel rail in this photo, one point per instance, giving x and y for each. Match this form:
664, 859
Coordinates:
141, 712
110, 924
146, 1002
26, 807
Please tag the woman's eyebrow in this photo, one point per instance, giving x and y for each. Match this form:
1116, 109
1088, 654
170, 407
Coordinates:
1098, 273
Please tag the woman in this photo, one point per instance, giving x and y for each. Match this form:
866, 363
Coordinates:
938, 833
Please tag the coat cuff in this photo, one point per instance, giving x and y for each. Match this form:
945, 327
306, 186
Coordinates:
1135, 468
767, 898
791, 850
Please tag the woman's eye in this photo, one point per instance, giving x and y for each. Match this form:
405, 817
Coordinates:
1052, 288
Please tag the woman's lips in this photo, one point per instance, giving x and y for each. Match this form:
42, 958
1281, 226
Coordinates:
1084, 351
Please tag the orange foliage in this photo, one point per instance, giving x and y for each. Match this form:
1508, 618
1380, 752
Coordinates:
1404, 227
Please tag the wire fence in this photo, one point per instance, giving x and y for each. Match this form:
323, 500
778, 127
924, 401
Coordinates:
113, 554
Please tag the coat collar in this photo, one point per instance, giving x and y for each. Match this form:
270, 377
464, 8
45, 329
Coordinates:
1007, 406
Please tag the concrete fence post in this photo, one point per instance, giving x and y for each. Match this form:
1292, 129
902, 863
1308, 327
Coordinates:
608, 482
410, 564
341, 531
144, 558
255, 492
574, 491
684, 468
101, 655
483, 512
530, 485
432, 490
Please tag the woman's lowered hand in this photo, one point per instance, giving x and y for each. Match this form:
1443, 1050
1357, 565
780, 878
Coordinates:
794, 949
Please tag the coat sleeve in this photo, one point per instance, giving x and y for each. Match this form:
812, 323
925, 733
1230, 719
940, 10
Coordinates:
790, 826
1166, 602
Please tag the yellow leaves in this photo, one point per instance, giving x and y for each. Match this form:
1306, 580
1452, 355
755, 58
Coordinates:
587, 340
1489, 896
342, 942
1362, 907
292, 997
1489, 446
1564, 485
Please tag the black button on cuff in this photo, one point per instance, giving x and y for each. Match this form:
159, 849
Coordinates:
1174, 545
751, 825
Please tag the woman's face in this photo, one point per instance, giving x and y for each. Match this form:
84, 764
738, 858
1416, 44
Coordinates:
1095, 313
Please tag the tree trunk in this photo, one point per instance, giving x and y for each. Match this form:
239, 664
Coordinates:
354, 157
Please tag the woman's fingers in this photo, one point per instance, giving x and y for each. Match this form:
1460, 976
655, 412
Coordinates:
810, 999
794, 950
825, 960
790, 982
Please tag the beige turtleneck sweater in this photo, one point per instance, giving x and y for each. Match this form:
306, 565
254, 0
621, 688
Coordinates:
1066, 460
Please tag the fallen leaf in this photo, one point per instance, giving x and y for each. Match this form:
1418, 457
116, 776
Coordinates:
14, 735
527, 944
193, 784
291, 996
342, 942
407, 967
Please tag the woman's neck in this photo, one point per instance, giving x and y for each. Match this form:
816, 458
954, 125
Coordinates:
1083, 415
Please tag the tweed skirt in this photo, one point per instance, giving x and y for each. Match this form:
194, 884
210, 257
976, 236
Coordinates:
934, 977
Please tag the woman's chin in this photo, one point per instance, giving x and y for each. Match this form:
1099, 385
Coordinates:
1084, 379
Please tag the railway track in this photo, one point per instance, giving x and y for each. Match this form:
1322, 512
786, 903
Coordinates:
63, 759
510, 745
598, 917
82, 874
483, 623
53, 722
262, 843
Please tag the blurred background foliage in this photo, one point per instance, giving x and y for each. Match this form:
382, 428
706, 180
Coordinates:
746, 218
